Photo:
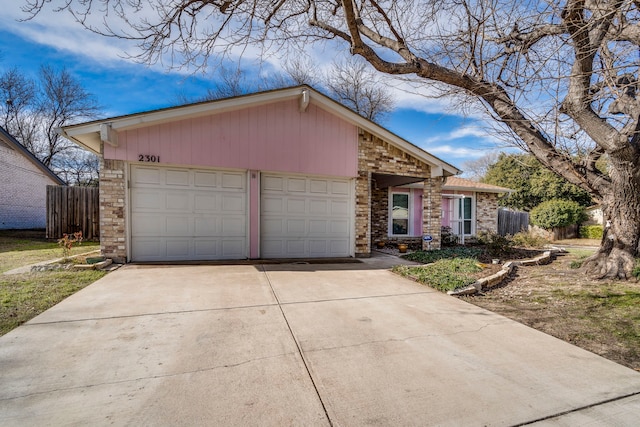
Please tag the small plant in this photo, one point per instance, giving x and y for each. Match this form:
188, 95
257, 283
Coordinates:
67, 242
496, 244
447, 237
529, 240
636, 270
591, 232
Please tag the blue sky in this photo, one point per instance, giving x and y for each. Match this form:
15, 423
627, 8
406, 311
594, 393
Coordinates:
122, 86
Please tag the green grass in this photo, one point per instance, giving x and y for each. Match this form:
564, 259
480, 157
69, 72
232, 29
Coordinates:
24, 296
444, 274
612, 308
426, 257
18, 248
581, 255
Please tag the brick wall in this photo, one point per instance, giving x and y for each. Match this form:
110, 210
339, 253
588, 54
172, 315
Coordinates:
432, 211
377, 156
23, 191
486, 212
112, 210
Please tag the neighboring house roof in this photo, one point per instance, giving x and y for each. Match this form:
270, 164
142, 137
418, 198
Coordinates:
92, 134
461, 184
11, 142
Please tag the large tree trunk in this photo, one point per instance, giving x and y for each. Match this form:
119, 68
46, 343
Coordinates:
621, 208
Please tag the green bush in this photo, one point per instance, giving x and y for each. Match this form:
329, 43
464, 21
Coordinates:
528, 240
496, 244
636, 270
426, 257
591, 232
556, 214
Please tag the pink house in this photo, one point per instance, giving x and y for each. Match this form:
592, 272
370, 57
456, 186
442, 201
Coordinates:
287, 173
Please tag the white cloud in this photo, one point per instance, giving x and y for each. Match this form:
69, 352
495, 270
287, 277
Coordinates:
457, 152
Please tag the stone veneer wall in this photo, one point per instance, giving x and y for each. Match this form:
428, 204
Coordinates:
112, 210
486, 212
378, 156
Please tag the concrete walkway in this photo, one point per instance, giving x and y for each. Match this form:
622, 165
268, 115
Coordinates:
298, 345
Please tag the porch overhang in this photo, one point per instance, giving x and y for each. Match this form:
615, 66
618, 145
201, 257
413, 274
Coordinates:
382, 180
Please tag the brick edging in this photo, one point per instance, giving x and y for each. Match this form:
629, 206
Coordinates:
497, 278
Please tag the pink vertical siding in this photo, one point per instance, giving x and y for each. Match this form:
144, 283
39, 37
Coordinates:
417, 212
254, 214
274, 137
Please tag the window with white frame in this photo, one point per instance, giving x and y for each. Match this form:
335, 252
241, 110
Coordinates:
399, 214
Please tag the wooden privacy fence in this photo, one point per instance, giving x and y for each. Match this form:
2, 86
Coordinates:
512, 222
72, 209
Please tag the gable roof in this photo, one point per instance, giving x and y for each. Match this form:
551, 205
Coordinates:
91, 134
13, 143
461, 184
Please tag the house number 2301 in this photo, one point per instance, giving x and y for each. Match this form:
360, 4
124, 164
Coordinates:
148, 158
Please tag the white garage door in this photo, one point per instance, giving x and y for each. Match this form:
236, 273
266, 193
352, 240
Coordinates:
305, 217
187, 214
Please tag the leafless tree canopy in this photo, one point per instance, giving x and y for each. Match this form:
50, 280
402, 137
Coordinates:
561, 76
32, 110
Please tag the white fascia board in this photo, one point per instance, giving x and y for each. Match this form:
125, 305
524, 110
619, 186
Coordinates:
384, 134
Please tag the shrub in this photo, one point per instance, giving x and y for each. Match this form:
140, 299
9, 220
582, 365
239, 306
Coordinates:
556, 214
426, 257
591, 232
528, 240
67, 241
496, 244
447, 237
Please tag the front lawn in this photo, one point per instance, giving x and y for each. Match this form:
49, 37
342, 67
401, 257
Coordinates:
24, 296
19, 248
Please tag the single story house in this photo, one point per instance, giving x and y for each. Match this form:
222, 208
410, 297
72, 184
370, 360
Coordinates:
23, 186
287, 173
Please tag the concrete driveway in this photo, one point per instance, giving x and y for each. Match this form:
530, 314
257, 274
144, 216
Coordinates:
300, 345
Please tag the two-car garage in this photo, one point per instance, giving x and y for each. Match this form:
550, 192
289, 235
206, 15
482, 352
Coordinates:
180, 214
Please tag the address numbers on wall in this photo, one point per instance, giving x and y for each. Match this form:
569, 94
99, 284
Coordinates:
148, 158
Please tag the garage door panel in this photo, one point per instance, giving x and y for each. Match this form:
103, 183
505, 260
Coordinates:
339, 207
315, 222
235, 227
233, 203
318, 186
205, 179
177, 226
187, 214
339, 227
177, 201
340, 188
233, 181
206, 226
147, 199
206, 202
296, 206
318, 207
318, 226
142, 176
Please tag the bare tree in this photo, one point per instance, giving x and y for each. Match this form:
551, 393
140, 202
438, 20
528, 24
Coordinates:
562, 77
33, 110
352, 83
476, 169
18, 96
